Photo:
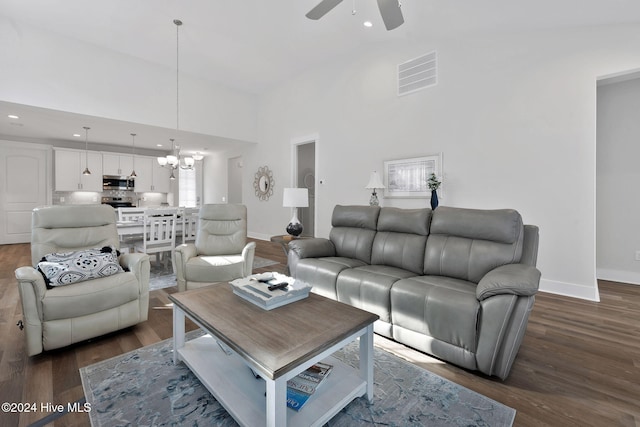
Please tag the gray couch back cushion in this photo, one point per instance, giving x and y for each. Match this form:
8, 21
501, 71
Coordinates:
222, 229
354, 228
468, 243
401, 238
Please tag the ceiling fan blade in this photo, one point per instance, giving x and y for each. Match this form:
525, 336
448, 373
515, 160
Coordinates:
322, 9
391, 13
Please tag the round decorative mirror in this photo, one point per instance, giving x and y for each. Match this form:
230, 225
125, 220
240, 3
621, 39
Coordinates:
263, 183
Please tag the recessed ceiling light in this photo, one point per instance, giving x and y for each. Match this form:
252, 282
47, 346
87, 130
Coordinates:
13, 116
77, 135
158, 145
367, 24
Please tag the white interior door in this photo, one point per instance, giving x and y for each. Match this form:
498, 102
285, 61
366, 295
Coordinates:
234, 180
24, 170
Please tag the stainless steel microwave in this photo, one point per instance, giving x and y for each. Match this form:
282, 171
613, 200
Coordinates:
112, 182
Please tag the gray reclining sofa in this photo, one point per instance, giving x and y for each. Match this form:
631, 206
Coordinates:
456, 283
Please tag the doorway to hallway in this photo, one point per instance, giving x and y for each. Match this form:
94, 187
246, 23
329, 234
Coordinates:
234, 180
305, 177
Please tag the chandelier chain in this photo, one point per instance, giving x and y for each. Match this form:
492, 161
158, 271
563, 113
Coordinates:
178, 24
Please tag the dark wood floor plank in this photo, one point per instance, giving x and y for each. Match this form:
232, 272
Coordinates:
579, 364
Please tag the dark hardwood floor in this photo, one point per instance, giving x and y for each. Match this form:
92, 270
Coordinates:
579, 364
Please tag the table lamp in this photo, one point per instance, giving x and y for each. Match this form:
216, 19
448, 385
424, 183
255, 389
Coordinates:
295, 198
374, 182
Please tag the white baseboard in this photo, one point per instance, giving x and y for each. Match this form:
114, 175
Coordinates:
570, 289
631, 277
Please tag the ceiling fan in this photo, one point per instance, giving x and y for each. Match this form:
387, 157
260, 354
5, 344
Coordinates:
389, 9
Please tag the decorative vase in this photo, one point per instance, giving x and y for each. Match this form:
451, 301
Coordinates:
295, 226
434, 199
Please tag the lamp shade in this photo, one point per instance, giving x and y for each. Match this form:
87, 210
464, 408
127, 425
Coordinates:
374, 181
189, 161
295, 198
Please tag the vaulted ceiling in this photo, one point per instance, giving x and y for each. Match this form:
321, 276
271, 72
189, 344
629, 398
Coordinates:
253, 45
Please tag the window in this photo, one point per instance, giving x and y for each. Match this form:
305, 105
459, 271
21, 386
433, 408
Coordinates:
187, 191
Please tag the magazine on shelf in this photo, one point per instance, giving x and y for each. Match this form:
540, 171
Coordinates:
304, 385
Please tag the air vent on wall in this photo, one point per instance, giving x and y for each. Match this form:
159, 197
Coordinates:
419, 73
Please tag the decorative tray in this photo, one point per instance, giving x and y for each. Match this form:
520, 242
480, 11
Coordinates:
270, 290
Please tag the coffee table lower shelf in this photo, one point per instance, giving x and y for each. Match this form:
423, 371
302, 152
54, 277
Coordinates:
230, 381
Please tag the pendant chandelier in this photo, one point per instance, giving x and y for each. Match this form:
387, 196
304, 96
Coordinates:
133, 156
175, 159
86, 170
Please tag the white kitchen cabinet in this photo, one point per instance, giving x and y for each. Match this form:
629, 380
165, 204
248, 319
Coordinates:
151, 177
117, 164
69, 165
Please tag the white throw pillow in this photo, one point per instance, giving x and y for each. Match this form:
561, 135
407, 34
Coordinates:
66, 268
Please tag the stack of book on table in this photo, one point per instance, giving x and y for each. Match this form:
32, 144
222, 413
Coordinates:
302, 386
270, 290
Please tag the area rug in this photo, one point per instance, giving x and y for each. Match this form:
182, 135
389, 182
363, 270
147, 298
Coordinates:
163, 277
145, 388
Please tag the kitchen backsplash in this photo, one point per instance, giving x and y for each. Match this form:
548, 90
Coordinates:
88, 198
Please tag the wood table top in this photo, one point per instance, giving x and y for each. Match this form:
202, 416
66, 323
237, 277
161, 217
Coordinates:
275, 340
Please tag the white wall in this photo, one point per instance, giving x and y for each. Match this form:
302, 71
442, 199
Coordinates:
514, 117
618, 204
44, 69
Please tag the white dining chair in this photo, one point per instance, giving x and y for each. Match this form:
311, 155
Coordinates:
130, 214
189, 217
129, 242
159, 233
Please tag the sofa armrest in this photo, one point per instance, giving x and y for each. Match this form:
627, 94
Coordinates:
248, 253
138, 264
513, 279
29, 276
182, 254
312, 248
308, 248
32, 289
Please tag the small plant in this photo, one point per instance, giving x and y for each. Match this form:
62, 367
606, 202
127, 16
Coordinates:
433, 182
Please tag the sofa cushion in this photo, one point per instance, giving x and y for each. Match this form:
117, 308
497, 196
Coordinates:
355, 216
222, 229
401, 238
467, 243
81, 299
227, 267
368, 288
441, 307
322, 273
354, 228
65, 268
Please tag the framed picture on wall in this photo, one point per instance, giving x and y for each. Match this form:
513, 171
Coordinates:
407, 178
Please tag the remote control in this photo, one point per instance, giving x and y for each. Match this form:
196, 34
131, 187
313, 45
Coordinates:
279, 285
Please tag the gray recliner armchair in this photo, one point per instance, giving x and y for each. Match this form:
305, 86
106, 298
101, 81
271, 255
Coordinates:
57, 316
220, 253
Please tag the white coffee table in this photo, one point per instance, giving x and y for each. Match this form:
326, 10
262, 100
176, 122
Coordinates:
277, 344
